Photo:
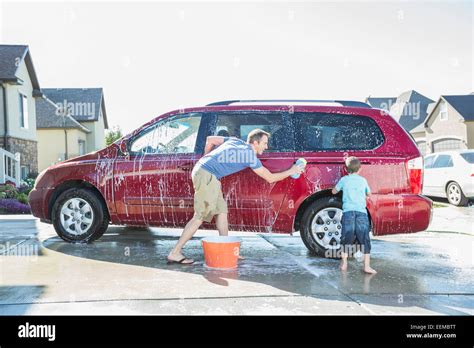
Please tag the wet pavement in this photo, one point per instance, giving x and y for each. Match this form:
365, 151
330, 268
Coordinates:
125, 272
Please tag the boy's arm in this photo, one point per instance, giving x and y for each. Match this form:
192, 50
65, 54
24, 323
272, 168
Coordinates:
367, 190
338, 187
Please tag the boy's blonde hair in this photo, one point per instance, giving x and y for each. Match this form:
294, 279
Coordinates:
352, 164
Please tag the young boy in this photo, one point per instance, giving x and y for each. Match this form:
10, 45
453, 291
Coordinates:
355, 222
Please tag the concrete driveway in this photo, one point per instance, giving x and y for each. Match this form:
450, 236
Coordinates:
125, 272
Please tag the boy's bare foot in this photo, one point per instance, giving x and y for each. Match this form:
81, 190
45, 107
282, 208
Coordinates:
343, 266
370, 270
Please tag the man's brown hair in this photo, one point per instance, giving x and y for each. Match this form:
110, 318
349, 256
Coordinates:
352, 164
256, 135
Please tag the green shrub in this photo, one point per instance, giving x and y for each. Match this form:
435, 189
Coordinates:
9, 190
22, 198
26, 186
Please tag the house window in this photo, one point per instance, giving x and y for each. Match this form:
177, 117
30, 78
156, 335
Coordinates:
25, 171
23, 111
443, 114
82, 147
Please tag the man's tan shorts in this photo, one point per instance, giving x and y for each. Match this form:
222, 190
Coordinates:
208, 199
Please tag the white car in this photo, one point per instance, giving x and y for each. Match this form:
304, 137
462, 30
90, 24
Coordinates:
450, 175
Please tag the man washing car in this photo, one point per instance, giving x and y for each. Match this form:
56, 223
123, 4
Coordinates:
229, 156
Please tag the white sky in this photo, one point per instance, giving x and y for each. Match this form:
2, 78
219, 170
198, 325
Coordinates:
154, 57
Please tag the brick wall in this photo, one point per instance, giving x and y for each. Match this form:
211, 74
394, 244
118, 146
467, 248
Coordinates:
28, 150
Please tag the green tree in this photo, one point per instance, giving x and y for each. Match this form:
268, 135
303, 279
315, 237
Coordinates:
112, 135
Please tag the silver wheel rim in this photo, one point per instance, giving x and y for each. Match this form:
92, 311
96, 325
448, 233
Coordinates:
326, 228
76, 216
454, 194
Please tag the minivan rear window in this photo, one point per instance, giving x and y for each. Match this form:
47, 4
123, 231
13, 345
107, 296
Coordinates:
336, 132
469, 157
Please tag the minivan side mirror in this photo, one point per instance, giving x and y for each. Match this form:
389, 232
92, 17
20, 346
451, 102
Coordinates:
123, 146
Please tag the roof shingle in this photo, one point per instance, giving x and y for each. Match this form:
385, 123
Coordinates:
84, 104
10, 57
464, 104
49, 116
383, 103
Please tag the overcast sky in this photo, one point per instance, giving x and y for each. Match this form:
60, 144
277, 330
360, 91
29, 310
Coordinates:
154, 57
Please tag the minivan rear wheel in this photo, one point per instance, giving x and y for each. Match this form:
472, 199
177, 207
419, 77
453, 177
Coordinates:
79, 216
455, 195
321, 227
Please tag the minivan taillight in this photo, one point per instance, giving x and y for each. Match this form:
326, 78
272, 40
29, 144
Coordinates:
415, 174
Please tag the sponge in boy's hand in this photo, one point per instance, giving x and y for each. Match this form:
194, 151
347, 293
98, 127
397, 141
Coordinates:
299, 162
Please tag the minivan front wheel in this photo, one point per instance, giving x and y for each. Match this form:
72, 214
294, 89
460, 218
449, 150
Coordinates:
455, 194
321, 227
79, 216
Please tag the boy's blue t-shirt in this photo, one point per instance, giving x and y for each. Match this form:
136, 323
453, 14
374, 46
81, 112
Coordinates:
354, 190
230, 157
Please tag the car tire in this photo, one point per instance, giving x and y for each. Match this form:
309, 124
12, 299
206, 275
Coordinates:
79, 216
321, 242
455, 195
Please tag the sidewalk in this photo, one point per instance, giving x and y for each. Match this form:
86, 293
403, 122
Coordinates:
452, 219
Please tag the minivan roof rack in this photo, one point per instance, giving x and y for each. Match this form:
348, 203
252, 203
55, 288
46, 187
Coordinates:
350, 103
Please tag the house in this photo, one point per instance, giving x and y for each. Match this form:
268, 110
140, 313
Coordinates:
450, 124
73, 118
85, 105
419, 135
60, 136
409, 108
384, 103
19, 87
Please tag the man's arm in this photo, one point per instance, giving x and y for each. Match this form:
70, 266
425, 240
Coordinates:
212, 141
270, 177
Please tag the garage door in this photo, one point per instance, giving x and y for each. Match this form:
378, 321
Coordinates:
447, 144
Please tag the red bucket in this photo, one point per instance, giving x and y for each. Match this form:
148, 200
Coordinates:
221, 252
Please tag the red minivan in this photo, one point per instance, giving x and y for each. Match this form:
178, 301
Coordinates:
145, 177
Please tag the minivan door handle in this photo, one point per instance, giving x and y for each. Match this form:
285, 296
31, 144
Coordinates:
186, 166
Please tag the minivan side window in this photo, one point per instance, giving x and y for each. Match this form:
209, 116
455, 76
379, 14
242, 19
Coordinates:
443, 161
336, 132
174, 135
240, 124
